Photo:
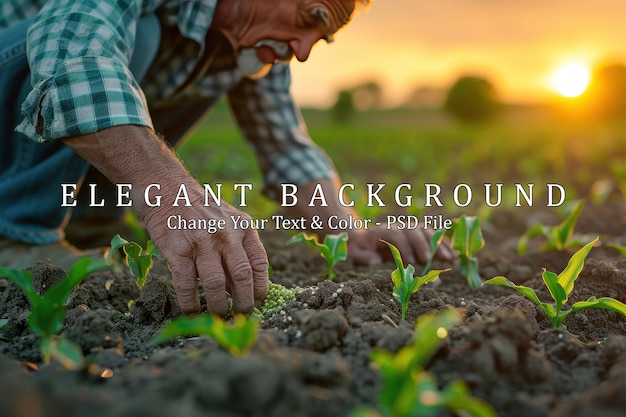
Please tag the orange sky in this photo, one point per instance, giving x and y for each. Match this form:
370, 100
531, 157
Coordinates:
518, 44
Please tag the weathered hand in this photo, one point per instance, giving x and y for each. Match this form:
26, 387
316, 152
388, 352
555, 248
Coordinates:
226, 261
366, 248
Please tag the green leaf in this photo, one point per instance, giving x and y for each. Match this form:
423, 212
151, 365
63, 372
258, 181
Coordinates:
551, 280
606, 303
397, 257
430, 400
117, 243
458, 399
525, 291
151, 250
237, 338
468, 267
338, 246
467, 238
186, 326
565, 230
429, 277
574, 267
82, 268
428, 334
23, 279
621, 249
397, 395
304, 237
404, 284
48, 310
558, 237
435, 242
138, 263
333, 250
3, 322
67, 353
534, 231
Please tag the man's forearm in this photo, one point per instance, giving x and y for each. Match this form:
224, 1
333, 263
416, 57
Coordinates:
133, 155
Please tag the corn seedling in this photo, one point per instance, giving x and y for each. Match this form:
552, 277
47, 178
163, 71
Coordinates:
404, 283
138, 259
237, 338
435, 241
560, 286
48, 311
620, 248
557, 237
333, 250
466, 238
277, 296
410, 391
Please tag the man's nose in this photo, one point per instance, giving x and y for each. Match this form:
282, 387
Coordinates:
302, 46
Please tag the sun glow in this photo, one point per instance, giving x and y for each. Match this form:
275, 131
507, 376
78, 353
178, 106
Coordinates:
571, 80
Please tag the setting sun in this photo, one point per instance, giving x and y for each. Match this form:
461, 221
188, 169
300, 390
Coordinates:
571, 80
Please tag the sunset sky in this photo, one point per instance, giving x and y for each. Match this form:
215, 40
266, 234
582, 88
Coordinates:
517, 44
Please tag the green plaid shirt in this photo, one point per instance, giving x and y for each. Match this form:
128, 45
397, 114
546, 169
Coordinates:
79, 52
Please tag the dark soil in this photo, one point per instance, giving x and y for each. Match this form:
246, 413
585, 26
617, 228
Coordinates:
314, 360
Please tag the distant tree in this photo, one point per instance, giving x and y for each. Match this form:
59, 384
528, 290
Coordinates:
606, 93
426, 97
343, 109
367, 96
471, 99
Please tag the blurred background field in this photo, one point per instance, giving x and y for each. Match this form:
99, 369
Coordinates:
407, 145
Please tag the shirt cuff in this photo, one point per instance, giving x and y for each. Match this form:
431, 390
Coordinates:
85, 95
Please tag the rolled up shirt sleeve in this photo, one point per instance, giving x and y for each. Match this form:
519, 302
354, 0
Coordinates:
78, 53
273, 125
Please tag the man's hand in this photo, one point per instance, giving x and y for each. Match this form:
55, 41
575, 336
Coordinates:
366, 248
227, 261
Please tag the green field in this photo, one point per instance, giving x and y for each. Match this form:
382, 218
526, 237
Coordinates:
411, 146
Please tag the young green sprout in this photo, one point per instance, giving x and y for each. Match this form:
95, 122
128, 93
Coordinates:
560, 287
466, 239
404, 283
138, 259
557, 237
237, 338
48, 310
620, 248
333, 250
435, 241
408, 390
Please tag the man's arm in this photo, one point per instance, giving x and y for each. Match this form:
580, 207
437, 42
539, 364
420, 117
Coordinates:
228, 260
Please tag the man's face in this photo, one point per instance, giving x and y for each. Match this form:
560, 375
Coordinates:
281, 29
